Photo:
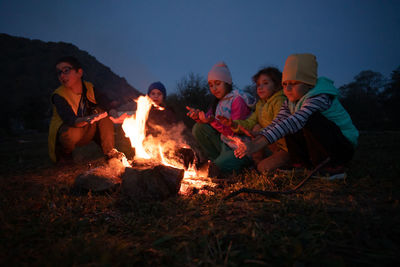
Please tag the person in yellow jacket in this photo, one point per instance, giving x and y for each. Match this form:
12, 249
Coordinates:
77, 118
269, 90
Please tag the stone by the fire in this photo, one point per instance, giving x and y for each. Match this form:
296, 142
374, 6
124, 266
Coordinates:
101, 178
156, 183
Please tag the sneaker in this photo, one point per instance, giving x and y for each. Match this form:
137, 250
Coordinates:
331, 173
114, 153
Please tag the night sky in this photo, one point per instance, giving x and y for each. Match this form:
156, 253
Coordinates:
147, 41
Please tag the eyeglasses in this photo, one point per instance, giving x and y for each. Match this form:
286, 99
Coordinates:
65, 71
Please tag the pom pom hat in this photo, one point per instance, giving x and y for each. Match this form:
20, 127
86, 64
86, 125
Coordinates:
159, 86
220, 72
302, 68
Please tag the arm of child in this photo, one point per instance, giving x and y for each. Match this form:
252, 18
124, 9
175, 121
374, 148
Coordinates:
239, 111
199, 116
249, 148
287, 123
82, 121
249, 122
193, 113
256, 129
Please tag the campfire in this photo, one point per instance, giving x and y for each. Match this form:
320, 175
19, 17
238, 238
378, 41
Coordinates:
162, 150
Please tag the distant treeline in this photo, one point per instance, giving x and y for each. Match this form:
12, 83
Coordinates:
372, 100
27, 79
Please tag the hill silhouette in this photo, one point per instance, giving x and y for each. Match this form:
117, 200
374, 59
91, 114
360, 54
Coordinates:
28, 77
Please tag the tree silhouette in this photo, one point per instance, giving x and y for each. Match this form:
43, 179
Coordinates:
193, 92
362, 99
391, 99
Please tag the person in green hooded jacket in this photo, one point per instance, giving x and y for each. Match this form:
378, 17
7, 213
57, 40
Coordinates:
314, 123
271, 97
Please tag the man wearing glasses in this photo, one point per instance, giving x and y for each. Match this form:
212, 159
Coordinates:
77, 118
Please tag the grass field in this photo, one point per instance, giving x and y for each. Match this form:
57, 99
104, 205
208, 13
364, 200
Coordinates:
350, 222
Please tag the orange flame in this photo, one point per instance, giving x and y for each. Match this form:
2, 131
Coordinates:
149, 148
134, 126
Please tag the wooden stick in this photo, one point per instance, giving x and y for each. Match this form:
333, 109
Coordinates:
276, 193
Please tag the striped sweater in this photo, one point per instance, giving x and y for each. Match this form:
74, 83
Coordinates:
287, 123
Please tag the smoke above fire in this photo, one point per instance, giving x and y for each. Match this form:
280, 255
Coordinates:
163, 149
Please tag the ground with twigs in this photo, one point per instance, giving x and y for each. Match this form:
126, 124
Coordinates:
350, 222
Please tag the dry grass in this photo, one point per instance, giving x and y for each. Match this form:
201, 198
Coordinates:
356, 221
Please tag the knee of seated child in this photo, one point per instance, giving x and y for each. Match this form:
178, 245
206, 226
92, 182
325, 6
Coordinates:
70, 134
274, 161
196, 128
200, 129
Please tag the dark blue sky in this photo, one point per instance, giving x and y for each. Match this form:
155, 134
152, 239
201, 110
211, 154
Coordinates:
146, 41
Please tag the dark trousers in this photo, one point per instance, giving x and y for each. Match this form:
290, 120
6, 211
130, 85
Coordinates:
318, 139
102, 132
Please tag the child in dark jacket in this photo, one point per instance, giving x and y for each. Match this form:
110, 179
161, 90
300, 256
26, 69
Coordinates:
164, 124
166, 118
314, 123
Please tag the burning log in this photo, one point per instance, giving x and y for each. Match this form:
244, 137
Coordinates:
155, 183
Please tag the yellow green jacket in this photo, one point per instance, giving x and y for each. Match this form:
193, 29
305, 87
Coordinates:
56, 121
265, 112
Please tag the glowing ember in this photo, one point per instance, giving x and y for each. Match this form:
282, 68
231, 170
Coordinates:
125, 162
191, 172
153, 149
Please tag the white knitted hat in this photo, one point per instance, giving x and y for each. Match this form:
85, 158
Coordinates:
220, 72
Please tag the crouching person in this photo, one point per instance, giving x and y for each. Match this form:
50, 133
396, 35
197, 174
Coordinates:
77, 118
314, 123
214, 138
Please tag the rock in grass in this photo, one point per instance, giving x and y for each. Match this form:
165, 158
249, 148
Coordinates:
156, 183
100, 179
